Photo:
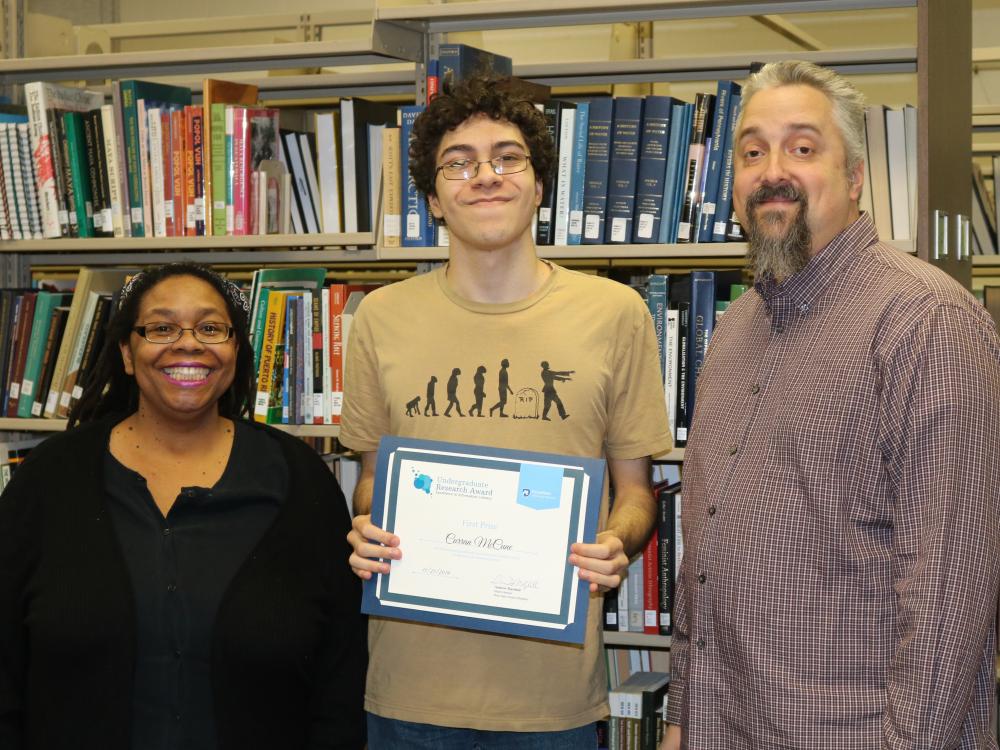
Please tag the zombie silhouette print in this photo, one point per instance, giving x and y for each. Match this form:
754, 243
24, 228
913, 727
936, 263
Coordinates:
549, 380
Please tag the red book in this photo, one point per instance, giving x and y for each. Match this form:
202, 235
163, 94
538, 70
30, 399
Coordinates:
651, 587
198, 153
178, 167
189, 171
241, 171
168, 171
338, 296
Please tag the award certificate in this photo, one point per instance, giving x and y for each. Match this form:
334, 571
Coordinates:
485, 535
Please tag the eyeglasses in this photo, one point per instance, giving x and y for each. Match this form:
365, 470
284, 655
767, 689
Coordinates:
168, 333
466, 169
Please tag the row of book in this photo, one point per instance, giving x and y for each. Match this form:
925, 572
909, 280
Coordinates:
637, 712
635, 170
985, 214
644, 601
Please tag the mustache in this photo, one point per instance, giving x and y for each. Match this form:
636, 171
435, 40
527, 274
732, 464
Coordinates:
785, 191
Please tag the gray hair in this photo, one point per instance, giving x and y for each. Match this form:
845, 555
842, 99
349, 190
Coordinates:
848, 103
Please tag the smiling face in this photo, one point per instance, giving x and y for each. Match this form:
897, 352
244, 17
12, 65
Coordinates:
489, 211
185, 379
791, 178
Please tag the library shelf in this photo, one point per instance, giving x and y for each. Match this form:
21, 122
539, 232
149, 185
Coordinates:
635, 640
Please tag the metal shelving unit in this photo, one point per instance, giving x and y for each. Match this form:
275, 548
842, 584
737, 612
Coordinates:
635, 640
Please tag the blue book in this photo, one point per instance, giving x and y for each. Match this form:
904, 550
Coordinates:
579, 171
716, 159
724, 205
595, 186
623, 169
12, 117
418, 222
654, 142
460, 61
656, 301
287, 362
680, 124
700, 327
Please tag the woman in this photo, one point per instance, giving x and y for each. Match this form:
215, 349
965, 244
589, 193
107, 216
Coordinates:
172, 575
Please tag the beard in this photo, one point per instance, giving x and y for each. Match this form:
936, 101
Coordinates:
773, 251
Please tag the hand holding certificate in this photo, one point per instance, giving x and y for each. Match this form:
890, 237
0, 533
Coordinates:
486, 534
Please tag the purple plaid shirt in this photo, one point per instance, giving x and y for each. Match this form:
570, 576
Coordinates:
842, 514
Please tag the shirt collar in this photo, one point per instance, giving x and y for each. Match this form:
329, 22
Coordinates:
802, 290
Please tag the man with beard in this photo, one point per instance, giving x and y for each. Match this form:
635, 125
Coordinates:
842, 480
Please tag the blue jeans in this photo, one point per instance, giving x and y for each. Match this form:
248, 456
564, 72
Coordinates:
392, 734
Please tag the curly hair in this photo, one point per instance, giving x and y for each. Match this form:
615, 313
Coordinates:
111, 390
479, 95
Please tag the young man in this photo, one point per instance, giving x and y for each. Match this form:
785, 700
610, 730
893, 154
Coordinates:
842, 481
482, 157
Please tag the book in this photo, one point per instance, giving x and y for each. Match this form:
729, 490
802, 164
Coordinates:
623, 169
40, 97
653, 148
595, 190
392, 195
418, 225
264, 406
701, 123
19, 355
457, 62
79, 170
196, 179
328, 168
178, 171
93, 342
878, 162
57, 328
724, 204
93, 133
215, 91
307, 148
58, 146
338, 298
300, 182
666, 549
578, 173
121, 157
109, 132
651, 586
639, 700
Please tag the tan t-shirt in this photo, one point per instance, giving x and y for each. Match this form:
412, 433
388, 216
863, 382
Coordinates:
582, 378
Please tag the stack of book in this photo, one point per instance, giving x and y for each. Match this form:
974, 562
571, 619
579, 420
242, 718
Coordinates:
636, 721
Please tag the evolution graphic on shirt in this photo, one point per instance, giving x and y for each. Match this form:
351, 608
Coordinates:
527, 402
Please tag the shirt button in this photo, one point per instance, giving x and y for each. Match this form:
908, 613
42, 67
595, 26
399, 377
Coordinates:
756, 389
701, 578
177, 654
701, 644
711, 511
166, 531
177, 717
732, 450
779, 329
171, 587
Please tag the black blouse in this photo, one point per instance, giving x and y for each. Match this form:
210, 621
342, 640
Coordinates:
180, 567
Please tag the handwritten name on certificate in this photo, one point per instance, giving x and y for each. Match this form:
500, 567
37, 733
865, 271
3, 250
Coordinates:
485, 534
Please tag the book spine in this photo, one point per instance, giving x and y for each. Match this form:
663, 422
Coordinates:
112, 166
103, 225
170, 166
338, 298
272, 331
652, 168
327, 384
217, 113
37, 335
58, 149
564, 173
76, 157
76, 357
579, 173
4, 220
145, 167
23, 342
189, 197
724, 205
316, 313
623, 169
33, 210
714, 161
544, 231
121, 157
688, 224
15, 192
288, 360
178, 164
419, 223
156, 169
241, 172
701, 324
13, 386
683, 371
55, 330
230, 170
651, 586
665, 559
198, 168
595, 191
392, 198
133, 162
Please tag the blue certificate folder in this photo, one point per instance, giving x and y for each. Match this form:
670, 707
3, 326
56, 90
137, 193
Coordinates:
485, 535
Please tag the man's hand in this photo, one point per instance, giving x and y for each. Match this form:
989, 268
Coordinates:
601, 563
371, 544
671, 738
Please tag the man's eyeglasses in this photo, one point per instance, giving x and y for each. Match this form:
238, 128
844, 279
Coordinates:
168, 333
466, 169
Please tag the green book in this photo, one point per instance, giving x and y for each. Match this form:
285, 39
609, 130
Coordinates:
45, 302
76, 153
257, 336
219, 167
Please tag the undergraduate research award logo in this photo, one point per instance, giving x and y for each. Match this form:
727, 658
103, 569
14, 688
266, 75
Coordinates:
422, 482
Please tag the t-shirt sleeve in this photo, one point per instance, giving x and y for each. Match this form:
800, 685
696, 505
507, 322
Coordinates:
637, 410
364, 418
